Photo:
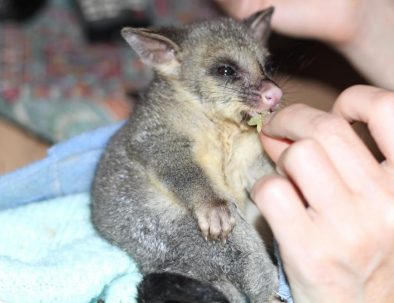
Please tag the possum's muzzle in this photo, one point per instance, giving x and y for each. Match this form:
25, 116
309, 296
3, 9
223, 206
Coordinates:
262, 101
265, 97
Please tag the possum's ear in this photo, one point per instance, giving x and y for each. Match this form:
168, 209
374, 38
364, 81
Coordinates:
260, 24
154, 49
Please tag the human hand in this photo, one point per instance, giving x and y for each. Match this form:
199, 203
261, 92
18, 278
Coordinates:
331, 208
362, 30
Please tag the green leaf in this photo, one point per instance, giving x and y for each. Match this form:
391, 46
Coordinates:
257, 121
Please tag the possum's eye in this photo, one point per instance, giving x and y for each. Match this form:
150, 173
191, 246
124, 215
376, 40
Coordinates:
269, 67
226, 71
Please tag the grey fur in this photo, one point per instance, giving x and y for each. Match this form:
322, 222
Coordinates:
152, 196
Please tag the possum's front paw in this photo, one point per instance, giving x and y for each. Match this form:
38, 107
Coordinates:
216, 220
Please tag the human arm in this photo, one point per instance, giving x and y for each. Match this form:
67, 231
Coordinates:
331, 208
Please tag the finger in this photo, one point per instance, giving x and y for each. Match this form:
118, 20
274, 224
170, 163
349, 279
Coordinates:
288, 17
273, 146
307, 164
353, 161
242, 9
373, 106
282, 207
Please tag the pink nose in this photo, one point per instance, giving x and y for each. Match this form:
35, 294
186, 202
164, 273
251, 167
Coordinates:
271, 95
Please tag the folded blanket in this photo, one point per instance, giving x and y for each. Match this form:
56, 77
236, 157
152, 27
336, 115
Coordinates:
49, 251
68, 169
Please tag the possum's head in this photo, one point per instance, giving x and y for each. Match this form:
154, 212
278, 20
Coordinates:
221, 63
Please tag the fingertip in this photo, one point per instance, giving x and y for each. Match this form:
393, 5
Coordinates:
356, 94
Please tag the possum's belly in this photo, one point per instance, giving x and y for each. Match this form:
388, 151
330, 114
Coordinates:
233, 162
245, 165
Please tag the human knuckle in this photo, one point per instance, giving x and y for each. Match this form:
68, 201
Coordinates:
273, 183
350, 90
328, 125
300, 151
270, 187
349, 93
384, 101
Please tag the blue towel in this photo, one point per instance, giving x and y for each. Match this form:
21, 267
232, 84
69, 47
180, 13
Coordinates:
49, 251
68, 169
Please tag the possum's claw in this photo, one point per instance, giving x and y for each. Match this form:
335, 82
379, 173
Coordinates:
215, 220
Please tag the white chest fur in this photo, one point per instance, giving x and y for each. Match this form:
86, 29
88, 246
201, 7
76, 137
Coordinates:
232, 158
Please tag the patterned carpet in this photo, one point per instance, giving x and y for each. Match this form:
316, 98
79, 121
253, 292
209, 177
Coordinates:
56, 84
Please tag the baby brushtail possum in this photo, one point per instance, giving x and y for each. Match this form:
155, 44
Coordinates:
172, 184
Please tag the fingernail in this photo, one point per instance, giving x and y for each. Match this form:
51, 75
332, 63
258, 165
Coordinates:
268, 118
267, 121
